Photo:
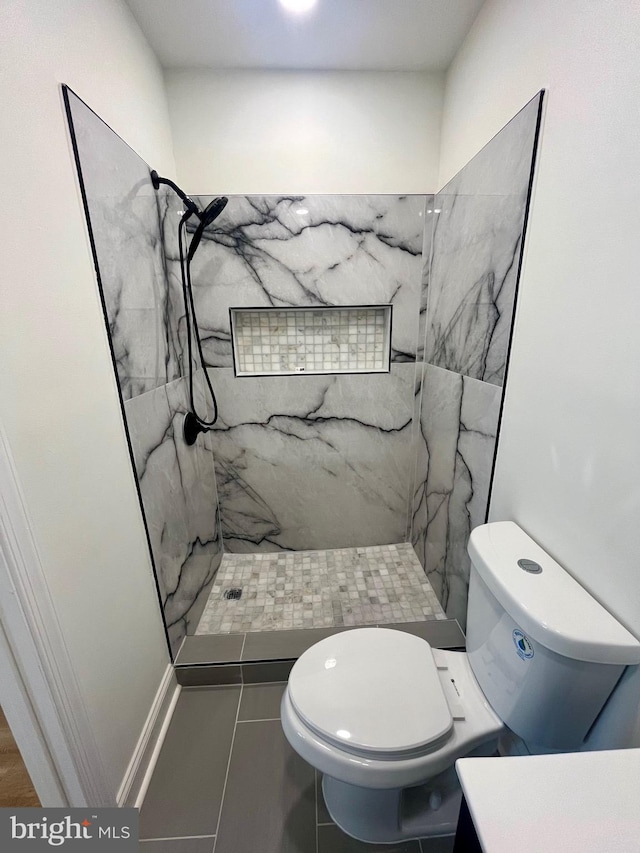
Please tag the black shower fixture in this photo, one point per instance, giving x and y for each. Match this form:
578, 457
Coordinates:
190, 204
212, 211
193, 424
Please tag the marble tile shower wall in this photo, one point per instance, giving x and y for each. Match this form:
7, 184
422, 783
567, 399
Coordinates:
299, 251
177, 484
469, 286
313, 462
178, 489
123, 218
316, 461
325, 461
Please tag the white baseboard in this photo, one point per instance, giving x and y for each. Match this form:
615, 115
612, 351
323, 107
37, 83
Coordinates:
136, 778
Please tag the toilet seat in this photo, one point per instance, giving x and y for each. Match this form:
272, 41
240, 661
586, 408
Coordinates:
475, 727
335, 688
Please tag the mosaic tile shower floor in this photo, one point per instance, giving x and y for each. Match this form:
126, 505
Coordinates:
319, 589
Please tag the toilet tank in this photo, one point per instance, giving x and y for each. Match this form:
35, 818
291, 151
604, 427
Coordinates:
546, 654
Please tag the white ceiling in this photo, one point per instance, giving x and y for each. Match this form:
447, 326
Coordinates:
380, 35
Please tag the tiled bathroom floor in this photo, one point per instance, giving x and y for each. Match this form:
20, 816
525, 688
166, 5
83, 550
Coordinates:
317, 589
227, 781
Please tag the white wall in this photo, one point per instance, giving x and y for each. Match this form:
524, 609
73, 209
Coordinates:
569, 459
305, 132
58, 396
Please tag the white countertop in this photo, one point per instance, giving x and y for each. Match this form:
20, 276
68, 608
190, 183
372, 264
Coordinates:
586, 802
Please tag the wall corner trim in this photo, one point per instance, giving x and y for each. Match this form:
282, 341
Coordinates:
42, 659
145, 755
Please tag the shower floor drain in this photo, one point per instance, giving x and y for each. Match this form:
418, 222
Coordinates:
232, 594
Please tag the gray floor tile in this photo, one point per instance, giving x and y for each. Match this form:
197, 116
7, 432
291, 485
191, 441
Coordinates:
209, 676
179, 845
261, 701
331, 839
442, 634
288, 645
277, 670
211, 648
321, 809
267, 645
269, 801
186, 788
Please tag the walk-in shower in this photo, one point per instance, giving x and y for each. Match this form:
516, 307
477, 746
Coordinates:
357, 346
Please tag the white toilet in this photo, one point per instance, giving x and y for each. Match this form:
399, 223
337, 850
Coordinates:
384, 716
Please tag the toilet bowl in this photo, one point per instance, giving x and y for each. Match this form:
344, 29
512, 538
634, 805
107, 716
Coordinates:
384, 717
429, 712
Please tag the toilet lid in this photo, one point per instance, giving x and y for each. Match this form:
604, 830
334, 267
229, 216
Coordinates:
372, 691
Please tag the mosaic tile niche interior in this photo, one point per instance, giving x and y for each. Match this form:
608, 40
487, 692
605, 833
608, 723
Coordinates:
320, 340
345, 495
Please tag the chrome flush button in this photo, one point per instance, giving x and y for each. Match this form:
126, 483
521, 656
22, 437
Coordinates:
530, 566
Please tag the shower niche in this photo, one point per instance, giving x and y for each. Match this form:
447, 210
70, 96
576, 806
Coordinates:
290, 341
356, 346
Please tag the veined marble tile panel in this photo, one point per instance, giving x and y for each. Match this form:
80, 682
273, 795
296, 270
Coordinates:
416, 468
177, 484
473, 278
455, 448
124, 214
313, 462
427, 245
476, 247
342, 250
171, 210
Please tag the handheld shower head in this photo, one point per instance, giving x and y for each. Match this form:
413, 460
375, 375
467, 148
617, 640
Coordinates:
212, 211
193, 423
